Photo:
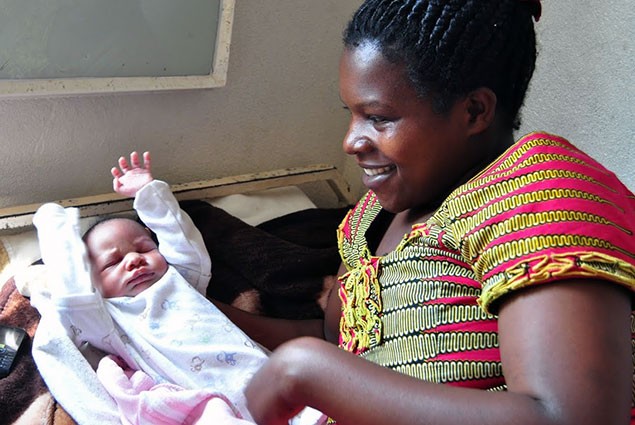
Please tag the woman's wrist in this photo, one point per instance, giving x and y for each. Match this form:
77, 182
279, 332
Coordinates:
298, 363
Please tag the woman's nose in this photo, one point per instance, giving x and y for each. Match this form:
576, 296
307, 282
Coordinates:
355, 142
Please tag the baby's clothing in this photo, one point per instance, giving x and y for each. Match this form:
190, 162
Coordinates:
170, 331
141, 401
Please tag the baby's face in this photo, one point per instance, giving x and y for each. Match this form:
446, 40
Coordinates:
124, 258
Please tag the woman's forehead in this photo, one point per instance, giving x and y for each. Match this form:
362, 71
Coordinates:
366, 74
367, 60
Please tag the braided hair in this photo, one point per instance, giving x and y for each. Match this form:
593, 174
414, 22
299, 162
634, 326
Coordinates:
450, 47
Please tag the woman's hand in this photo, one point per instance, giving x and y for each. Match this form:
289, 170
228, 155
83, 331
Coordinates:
129, 178
274, 394
312, 372
555, 342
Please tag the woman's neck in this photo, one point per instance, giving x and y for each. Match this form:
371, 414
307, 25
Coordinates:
400, 226
494, 143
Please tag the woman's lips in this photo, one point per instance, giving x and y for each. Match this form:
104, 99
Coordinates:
377, 171
373, 178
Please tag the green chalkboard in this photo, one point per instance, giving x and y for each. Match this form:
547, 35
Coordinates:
112, 45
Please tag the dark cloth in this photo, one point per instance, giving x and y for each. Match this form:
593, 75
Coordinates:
23, 384
283, 260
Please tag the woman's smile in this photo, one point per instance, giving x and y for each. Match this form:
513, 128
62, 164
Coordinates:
374, 178
378, 171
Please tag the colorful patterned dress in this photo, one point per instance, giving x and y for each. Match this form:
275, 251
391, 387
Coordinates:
544, 211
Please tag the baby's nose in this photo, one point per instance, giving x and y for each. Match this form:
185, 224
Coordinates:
133, 260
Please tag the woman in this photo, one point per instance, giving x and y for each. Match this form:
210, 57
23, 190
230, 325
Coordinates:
516, 269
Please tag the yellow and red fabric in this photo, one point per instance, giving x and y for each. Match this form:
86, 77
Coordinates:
542, 212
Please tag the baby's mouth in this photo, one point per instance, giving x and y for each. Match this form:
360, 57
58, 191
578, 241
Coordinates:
140, 278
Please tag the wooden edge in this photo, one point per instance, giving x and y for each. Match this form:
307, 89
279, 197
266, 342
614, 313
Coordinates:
17, 217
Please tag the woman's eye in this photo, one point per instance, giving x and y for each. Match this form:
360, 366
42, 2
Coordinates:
378, 119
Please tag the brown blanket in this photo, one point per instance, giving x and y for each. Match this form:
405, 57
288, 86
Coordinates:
282, 263
24, 398
277, 269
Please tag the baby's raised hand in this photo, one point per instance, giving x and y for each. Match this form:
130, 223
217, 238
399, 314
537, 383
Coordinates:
129, 178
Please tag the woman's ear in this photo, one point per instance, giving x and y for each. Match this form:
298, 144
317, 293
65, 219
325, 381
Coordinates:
480, 107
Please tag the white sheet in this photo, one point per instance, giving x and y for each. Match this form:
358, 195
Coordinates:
21, 249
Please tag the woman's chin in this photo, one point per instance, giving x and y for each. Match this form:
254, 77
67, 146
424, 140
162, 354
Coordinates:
389, 203
379, 182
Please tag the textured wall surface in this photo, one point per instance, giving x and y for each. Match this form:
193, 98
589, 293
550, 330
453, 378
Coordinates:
584, 85
281, 108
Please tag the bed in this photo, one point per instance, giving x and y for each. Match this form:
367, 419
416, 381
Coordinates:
252, 225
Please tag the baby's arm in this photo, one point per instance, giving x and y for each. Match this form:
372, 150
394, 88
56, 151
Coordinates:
73, 300
180, 242
62, 250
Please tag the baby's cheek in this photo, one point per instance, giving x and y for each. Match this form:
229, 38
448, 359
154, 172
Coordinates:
98, 284
96, 281
164, 266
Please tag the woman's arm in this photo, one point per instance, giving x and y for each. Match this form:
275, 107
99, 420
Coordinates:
271, 332
566, 352
268, 331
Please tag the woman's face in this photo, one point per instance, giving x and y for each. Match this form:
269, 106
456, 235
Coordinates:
409, 154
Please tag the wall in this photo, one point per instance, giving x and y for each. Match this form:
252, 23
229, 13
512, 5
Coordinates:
584, 85
281, 107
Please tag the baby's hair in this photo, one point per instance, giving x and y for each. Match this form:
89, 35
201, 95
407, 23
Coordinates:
450, 47
106, 219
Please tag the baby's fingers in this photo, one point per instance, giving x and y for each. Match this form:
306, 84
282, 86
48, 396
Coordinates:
147, 160
135, 160
123, 164
116, 173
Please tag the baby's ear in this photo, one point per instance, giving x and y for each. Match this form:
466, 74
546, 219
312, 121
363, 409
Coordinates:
480, 107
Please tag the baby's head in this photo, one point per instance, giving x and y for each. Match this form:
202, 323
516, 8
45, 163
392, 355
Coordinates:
124, 258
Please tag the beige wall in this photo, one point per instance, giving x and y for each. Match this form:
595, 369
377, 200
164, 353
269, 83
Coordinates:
584, 86
280, 107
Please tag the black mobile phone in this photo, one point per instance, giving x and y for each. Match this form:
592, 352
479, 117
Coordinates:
10, 340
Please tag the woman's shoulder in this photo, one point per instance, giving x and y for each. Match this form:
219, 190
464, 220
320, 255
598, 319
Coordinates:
552, 148
542, 156
545, 146
545, 199
541, 141
543, 167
